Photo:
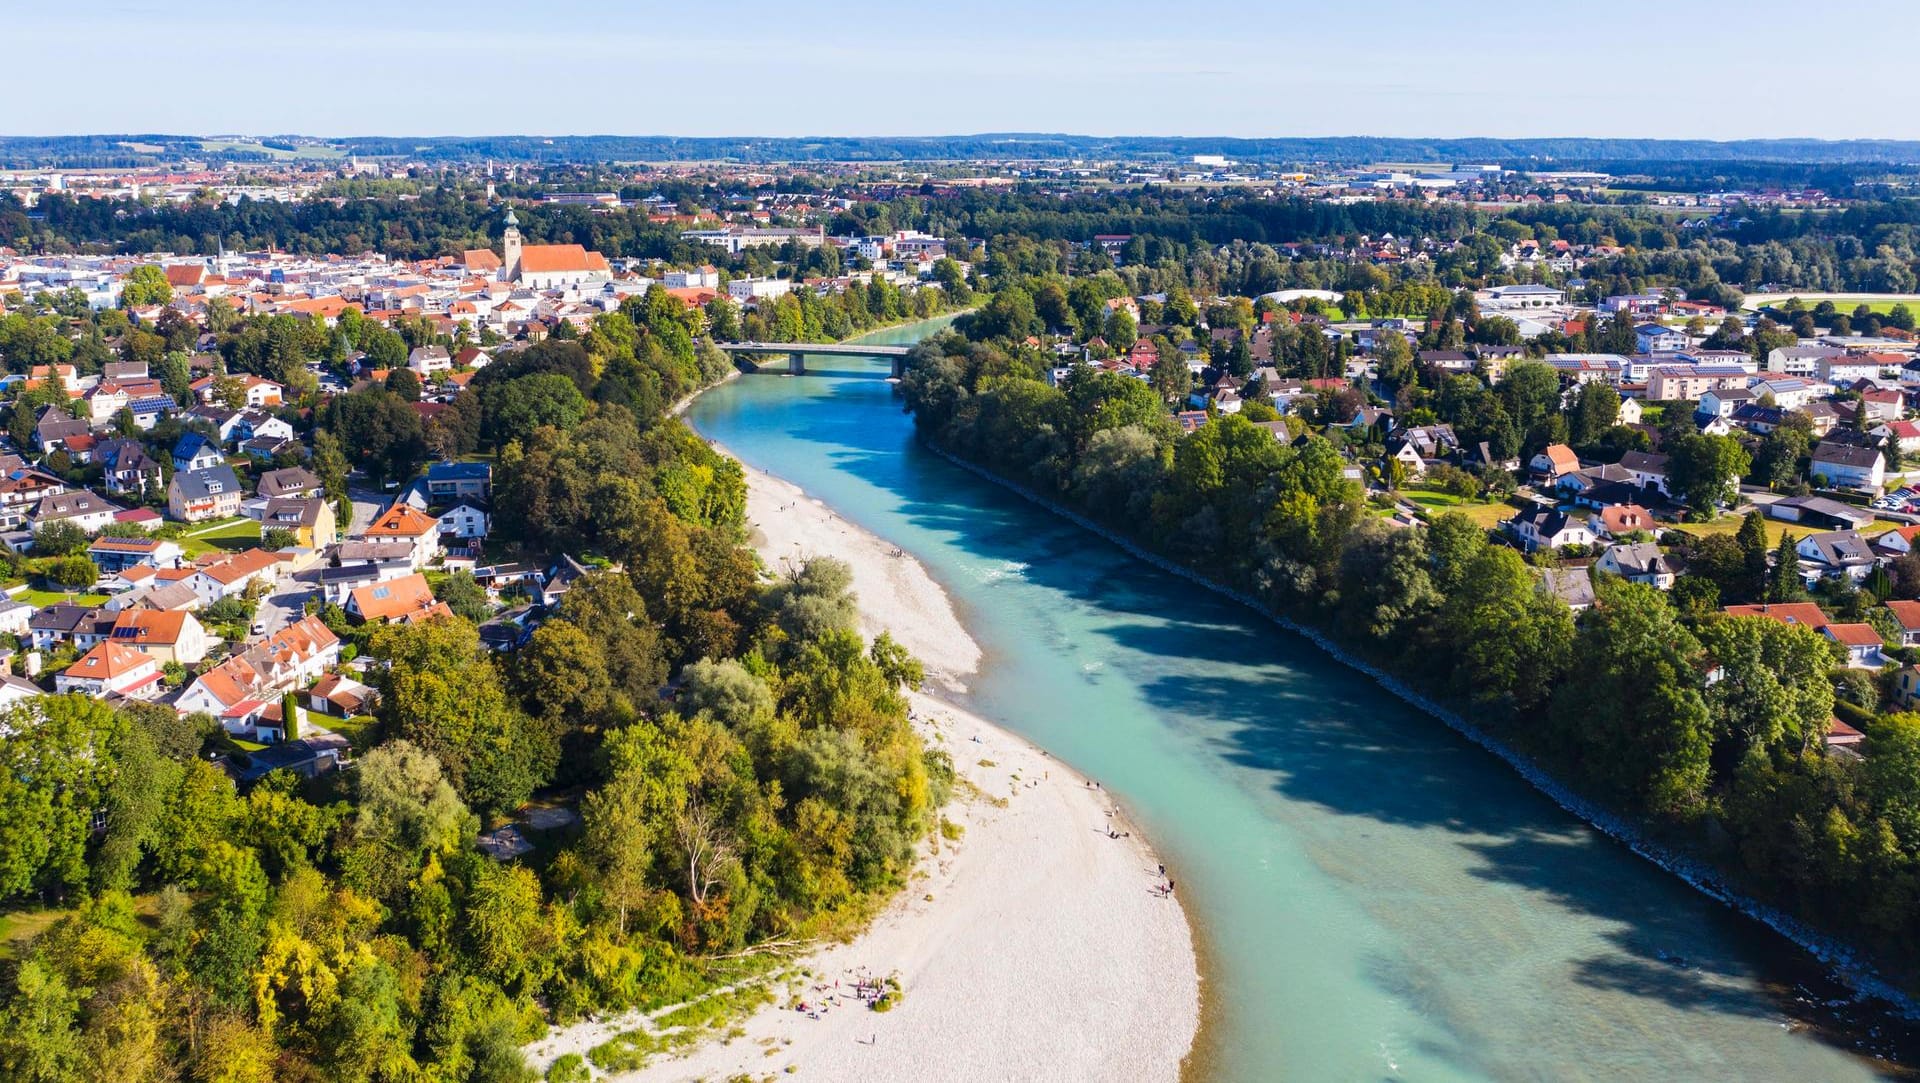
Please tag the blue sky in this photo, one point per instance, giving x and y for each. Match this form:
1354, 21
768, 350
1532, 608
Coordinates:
1715, 69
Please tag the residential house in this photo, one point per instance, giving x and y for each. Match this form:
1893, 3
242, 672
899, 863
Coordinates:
16, 690
55, 624
1798, 360
1835, 553
231, 576
293, 481
1862, 643
253, 425
150, 410
1638, 562
405, 599
127, 468
1723, 401
451, 482
1907, 615
1804, 614
340, 696
1548, 528
1906, 432
1553, 461
1845, 466
1649, 470
428, 360
193, 451
1907, 686
406, 524
1653, 338
164, 635
16, 616
57, 428
79, 507
1572, 586
237, 690
1618, 520
465, 522
115, 555
111, 668
211, 493
310, 519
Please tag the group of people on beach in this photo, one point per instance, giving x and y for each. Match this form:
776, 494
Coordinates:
863, 987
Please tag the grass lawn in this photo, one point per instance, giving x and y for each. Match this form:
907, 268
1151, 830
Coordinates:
1847, 305
361, 731
1776, 529
233, 535
21, 926
40, 599
1484, 513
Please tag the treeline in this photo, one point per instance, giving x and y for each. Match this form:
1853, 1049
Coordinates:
72, 151
346, 927
1707, 728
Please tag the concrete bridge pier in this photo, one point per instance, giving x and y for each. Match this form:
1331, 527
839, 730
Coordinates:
796, 364
899, 367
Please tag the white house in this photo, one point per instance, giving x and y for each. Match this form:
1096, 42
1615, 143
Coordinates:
111, 668
467, 521
1848, 467
1653, 338
1549, 529
1638, 562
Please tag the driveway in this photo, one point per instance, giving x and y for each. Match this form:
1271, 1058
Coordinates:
284, 604
367, 504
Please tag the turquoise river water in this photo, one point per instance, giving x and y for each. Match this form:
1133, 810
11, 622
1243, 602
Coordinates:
1376, 898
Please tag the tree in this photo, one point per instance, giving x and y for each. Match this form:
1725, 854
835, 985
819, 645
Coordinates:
465, 596
1511, 639
145, 285
514, 409
378, 432
404, 383
1387, 587
442, 691
1704, 469
1784, 582
1632, 706
1773, 692
1170, 377
59, 538
1752, 539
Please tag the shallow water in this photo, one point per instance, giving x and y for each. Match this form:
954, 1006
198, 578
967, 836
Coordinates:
1376, 898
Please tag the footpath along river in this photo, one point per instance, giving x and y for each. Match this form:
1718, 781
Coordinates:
1376, 898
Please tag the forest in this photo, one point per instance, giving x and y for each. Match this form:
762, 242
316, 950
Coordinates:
164, 923
1705, 728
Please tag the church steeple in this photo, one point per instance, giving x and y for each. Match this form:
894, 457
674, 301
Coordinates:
510, 247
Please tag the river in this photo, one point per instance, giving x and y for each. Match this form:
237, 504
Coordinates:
1376, 899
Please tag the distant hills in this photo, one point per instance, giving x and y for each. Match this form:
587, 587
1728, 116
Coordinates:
126, 151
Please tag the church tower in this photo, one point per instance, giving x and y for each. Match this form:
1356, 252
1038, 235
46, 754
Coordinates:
510, 248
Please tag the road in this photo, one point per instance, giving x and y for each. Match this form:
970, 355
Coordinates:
288, 599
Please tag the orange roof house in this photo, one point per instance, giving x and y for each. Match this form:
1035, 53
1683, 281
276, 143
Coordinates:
1801, 613
395, 599
402, 522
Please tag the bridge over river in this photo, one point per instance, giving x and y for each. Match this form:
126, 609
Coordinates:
796, 352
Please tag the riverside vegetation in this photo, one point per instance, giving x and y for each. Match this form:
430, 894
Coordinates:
1618, 702
166, 925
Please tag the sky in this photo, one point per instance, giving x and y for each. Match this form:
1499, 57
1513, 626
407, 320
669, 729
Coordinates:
1706, 69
